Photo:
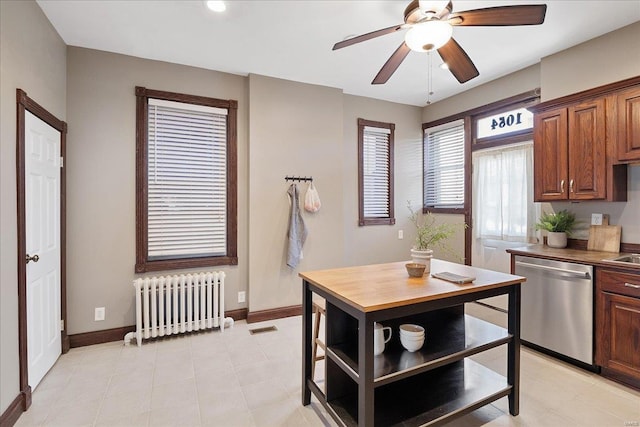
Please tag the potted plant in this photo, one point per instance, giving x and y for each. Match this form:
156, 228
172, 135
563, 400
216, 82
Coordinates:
429, 235
558, 225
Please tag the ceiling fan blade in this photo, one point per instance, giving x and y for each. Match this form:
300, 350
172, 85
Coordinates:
501, 16
392, 64
458, 61
368, 36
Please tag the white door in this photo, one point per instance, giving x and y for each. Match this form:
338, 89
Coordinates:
42, 208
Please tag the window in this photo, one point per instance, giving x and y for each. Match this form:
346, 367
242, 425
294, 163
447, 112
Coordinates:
503, 193
375, 172
186, 181
444, 171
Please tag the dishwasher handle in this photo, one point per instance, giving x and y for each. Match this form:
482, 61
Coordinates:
583, 274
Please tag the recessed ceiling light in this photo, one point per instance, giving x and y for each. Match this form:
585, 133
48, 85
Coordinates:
216, 5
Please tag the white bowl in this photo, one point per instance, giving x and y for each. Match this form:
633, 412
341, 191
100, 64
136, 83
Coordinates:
412, 345
412, 338
410, 329
411, 334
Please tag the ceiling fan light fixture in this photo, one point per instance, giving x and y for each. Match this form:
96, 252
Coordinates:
434, 6
429, 35
216, 5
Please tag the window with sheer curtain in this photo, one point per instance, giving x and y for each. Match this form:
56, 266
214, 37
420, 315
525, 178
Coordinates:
503, 194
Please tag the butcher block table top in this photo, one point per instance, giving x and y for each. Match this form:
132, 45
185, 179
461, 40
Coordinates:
382, 286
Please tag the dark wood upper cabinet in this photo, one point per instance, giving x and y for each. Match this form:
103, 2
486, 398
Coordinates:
582, 143
587, 150
550, 148
628, 124
570, 153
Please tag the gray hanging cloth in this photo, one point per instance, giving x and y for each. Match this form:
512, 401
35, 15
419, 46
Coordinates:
297, 229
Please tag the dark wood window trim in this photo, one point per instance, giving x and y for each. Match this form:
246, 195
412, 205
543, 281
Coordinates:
527, 99
467, 160
143, 264
362, 220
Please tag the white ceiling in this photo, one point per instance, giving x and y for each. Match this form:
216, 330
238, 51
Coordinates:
293, 39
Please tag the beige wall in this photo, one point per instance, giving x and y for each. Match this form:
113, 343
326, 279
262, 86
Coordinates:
609, 58
295, 129
101, 177
307, 130
380, 243
28, 46
513, 84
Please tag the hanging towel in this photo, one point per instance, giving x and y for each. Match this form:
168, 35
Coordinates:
312, 199
297, 229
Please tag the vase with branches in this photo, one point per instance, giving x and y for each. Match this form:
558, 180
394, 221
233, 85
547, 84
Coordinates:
430, 235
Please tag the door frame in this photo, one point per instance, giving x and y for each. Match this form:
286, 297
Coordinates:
24, 103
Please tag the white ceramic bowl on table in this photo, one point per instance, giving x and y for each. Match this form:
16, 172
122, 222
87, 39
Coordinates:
412, 336
410, 329
412, 344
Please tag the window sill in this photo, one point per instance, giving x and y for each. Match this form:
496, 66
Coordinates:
178, 264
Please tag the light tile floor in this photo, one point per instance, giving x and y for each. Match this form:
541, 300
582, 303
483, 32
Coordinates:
238, 379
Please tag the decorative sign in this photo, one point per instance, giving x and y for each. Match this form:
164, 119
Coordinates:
503, 123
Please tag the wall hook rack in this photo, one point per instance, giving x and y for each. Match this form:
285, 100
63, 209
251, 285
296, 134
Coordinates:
298, 178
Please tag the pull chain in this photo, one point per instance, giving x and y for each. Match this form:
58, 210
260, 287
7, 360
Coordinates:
429, 78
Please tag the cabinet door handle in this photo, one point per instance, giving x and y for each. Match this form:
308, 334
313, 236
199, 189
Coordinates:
631, 285
571, 186
562, 186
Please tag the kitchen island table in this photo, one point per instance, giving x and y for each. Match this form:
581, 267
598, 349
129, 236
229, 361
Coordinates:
431, 386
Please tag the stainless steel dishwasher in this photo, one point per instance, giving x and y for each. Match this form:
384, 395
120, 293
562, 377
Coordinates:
557, 306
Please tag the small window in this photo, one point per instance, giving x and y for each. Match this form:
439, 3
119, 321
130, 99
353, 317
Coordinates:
186, 189
444, 171
375, 172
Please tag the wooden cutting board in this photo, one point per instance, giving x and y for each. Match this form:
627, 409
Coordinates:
604, 238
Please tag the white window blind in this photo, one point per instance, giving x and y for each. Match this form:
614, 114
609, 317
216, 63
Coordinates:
444, 166
187, 180
376, 172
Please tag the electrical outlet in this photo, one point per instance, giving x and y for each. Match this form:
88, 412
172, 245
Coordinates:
99, 314
400, 234
596, 219
242, 295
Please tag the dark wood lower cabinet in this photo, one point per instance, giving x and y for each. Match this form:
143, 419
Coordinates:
618, 326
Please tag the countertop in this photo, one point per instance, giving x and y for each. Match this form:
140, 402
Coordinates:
381, 286
595, 258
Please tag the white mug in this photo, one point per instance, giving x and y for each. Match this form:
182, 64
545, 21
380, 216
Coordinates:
378, 338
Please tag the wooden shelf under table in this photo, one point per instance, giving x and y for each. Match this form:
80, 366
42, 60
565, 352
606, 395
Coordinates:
459, 338
431, 397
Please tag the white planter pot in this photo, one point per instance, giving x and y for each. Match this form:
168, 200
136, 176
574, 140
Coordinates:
422, 257
557, 239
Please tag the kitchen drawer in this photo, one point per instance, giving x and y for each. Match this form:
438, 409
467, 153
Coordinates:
618, 283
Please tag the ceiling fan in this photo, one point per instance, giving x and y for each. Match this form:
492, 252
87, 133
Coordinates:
430, 25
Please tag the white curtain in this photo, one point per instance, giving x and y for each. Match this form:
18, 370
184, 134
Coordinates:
503, 205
